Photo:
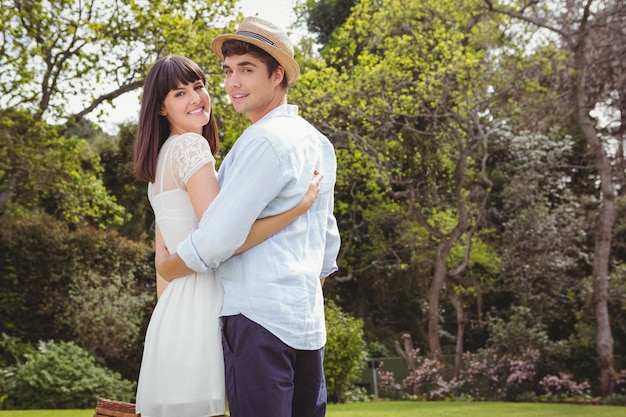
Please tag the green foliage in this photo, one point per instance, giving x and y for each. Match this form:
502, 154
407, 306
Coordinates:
110, 305
81, 53
12, 355
345, 353
43, 172
62, 375
543, 232
324, 16
87, 285
13, 351
615, 399
524, 332
406, 85
119, 178
518, 334
368, 218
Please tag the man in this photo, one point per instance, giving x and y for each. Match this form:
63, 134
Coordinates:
273, 329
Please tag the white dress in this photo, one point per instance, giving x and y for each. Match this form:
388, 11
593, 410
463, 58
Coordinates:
182, 370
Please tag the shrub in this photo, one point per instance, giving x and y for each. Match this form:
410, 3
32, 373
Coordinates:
485, 375
345, 352
490, 375
523, 332
615, 399
63, 375
387, 385
427, 380
12, 354
95, 288
620, 382
562, 386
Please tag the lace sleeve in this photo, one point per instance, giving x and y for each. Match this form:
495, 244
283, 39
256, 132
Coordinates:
190, 153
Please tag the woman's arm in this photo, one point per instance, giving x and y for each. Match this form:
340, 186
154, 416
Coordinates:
161, 283
202, 188
172, 266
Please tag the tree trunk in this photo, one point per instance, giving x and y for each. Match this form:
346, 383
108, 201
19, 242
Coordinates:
7, 190
460, 329
434, 295
604, 336
408, 354
605, 220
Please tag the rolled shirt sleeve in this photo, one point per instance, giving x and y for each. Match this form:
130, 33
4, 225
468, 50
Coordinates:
275, 283
243, 196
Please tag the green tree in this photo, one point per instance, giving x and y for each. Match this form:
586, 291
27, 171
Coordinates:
541, 218
590, 78
406, 84
119, 179
324, 16
41, 171
61, 59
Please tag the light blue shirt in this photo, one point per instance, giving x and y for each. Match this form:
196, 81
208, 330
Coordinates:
276, 283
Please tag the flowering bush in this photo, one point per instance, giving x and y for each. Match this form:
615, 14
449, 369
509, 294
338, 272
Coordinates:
563, 386
485, 375
489, 375
387, 385
427, 380
620, 382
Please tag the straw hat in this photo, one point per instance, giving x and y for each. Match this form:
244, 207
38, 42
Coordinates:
266, 36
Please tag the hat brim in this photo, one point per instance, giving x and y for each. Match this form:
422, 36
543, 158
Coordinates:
292, 69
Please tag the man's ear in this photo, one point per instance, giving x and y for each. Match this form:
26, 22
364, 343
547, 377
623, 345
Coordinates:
279, 74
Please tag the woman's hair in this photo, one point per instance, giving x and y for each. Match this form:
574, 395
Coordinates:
153, 128
237, 47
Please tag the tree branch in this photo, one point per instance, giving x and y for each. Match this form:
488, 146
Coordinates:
107, 97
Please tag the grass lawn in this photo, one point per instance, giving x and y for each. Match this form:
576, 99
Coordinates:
413, 409
469, 409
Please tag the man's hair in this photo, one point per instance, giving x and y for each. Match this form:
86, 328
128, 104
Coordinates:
236, 47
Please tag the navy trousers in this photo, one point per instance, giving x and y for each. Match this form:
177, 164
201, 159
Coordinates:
267, 378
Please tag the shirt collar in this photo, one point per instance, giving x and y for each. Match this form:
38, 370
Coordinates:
284, 110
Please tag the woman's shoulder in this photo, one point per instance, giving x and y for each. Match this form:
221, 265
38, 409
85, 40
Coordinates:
187, 137
189, 141
191, 136
190, 151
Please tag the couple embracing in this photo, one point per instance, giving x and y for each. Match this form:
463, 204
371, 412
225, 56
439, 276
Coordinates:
241, 254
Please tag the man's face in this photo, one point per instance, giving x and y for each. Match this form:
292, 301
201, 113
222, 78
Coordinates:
250, 88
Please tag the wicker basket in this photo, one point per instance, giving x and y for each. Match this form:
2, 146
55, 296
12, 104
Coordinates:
111, 408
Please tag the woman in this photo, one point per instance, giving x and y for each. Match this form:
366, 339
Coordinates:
182, 371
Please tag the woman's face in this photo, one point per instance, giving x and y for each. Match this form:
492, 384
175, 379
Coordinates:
187, 108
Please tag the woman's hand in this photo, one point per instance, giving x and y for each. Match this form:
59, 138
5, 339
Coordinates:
160, 257
264, 228
169, 266
312, 192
